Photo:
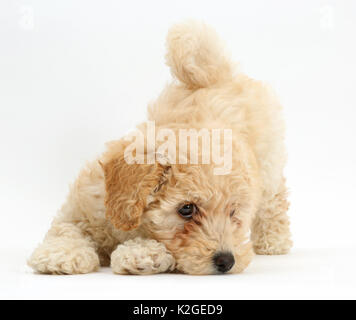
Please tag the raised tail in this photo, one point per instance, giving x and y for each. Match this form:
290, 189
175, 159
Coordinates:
196, 55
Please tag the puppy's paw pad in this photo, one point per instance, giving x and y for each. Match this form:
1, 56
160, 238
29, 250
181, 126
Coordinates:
58, 256
141, 256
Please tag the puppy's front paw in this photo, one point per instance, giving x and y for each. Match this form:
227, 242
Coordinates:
141, 256
64, 256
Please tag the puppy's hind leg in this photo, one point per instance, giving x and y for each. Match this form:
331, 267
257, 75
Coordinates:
270, 229
65, 250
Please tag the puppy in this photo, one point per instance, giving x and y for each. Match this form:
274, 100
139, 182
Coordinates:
166, 212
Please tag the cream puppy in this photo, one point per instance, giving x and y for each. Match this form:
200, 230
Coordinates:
160, 216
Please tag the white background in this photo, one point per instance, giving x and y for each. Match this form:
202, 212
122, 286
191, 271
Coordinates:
75, 74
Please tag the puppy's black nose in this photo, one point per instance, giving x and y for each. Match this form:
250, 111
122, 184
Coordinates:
224, 261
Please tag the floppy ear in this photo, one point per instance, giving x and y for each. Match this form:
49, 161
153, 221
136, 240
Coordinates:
127, 189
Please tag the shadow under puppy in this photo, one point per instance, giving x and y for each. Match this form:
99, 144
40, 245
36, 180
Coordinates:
159, 217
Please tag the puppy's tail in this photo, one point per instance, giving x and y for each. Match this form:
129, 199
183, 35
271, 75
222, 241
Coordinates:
196, 56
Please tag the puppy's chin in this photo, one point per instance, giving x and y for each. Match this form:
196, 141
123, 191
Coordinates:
200, 261
196, 264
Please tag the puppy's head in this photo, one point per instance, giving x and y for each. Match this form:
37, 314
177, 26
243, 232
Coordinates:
202, 219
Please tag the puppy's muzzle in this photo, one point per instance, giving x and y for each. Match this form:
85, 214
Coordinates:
223, 261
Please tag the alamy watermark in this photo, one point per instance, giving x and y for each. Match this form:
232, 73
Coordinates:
181, 146
327, 17
27, 17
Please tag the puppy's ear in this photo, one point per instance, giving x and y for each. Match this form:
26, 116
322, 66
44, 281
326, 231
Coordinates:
196, 56
127, 189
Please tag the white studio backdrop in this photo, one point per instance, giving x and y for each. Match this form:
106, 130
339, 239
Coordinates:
75, 74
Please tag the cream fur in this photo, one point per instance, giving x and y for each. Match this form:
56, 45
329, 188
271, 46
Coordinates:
127, 215
141, 256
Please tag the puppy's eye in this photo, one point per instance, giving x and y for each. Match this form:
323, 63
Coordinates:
188, 210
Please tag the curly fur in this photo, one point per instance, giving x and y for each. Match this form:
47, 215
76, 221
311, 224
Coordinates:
126, 214
141, 256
